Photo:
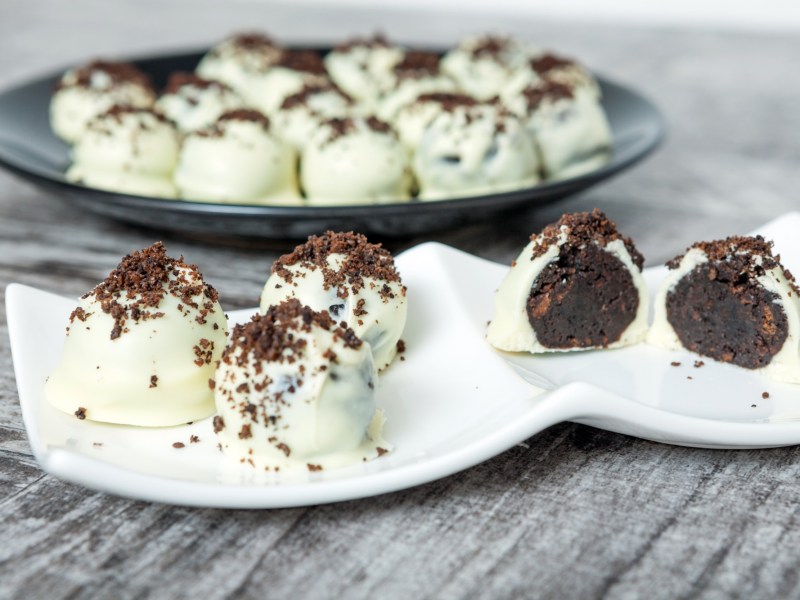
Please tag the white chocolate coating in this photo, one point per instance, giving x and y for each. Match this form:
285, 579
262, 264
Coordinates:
268, 90
510, 329
785, 364
73, 106
413, 118
406, 91
111, 378
194, 107
237, 60
131, 151
359, 166
473, 151
483, 74
123, 182
572, 135
237, 161
379, 320
362, 70
317, 409
297, 123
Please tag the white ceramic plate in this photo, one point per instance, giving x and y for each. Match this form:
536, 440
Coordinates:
453, 402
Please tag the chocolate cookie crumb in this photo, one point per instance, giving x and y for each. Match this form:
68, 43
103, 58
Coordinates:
698, 364
765, 395
284, 448
417, 64
306, 61
80, 413
448, 101
314, 468
550, 62
180, 79
153, 381
193, 439
219, 424
178, 445
491, 46
675, 363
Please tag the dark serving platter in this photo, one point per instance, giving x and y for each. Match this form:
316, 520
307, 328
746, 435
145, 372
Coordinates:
30, 149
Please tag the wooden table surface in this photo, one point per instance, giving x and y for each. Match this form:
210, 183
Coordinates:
576, 512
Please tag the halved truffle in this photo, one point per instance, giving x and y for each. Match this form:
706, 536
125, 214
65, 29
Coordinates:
576, 286
731, 300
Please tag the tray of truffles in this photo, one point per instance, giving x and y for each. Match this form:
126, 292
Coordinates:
253, 138
360, 373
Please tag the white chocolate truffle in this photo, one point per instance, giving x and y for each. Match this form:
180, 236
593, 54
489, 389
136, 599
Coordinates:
576, 286
193, 103
294, 70
418, 73
550, 67
127, 150
568, 126
474, 150
732, 301
355, 281
361, 67
295, 390
142, 346
88, 91
237, 160
237, 60
355, 161
412, 119
482, 65
301, 114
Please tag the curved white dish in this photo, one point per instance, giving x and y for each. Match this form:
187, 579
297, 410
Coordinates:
453, 402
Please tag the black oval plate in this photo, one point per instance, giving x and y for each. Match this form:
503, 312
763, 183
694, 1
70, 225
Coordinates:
30, 149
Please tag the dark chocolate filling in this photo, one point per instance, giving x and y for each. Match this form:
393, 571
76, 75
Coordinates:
720, 311
585, 298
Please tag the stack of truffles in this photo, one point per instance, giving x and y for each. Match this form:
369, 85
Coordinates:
368, 122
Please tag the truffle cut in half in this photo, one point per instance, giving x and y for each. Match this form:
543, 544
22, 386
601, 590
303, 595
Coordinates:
731, 300
576, 286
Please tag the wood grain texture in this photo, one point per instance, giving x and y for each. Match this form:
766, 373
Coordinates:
574, 513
